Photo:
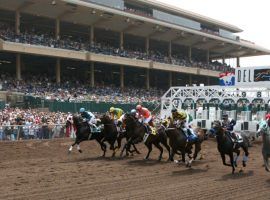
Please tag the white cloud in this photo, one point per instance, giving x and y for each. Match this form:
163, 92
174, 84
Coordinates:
250, 16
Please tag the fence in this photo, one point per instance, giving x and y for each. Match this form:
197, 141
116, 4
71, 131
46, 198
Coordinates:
23, 132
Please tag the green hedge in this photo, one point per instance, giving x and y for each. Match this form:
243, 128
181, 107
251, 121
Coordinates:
100, 107
2, 105
92, 106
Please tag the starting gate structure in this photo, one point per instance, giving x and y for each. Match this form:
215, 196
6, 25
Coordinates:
203, 103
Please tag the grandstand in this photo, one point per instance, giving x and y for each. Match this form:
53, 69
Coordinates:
122, 43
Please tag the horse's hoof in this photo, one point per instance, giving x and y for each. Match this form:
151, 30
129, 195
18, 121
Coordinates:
146, 158
188, 164
176, 161
266, 169
80, 151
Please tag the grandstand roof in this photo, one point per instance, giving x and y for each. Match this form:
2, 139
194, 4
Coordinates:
89, 14
190, 14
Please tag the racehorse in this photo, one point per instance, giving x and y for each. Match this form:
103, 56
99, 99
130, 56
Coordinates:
227, 147
264, 131
83, 133
138, 133
126, 134
178, 143
110, 132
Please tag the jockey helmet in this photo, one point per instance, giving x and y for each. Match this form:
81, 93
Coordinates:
138, 107
82, 110
174, 110
165, 122
111, 109
133, 111
225, 116
267, 117
182, 115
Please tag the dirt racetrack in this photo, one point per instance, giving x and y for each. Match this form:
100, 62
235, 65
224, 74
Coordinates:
44, 170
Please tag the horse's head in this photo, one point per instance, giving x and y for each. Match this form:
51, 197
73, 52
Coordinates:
263, 128
76, 119
215, 130
129, 120
105, 119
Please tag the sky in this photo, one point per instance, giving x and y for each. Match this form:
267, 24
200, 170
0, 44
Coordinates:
249, 15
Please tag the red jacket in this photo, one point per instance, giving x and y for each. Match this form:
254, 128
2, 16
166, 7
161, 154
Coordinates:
144, 112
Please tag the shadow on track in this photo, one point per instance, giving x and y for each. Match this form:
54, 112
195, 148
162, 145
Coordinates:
268, 182
146, 162
236, 175
96, 159
189, 171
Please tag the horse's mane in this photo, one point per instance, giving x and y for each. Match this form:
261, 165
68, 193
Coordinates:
133, 119
106, 119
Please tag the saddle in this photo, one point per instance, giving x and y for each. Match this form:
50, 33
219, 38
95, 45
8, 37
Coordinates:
235, 137
95, 129
153, 130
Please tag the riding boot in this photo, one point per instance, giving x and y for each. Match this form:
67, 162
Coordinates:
233, 136
186, 133
118, 129
94, 127
147, 128
192, 136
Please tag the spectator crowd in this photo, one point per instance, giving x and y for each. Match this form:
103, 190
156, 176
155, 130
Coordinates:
31, 124
32, 36
72, 90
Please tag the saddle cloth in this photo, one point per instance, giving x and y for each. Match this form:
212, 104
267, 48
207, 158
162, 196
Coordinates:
239, 138
146, 135
153, 130
95, 130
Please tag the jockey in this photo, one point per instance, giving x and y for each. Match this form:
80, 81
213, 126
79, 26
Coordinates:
89, 117
267, 119
117, 114
182, 120
145, 116
228, 125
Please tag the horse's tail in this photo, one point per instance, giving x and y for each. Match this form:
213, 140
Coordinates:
266, 162
200, 134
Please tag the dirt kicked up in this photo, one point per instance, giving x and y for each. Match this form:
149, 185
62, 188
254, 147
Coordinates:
44, 170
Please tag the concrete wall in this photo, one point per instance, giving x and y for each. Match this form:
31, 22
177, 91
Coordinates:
43, 51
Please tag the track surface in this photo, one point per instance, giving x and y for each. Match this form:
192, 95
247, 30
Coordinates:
44, 170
